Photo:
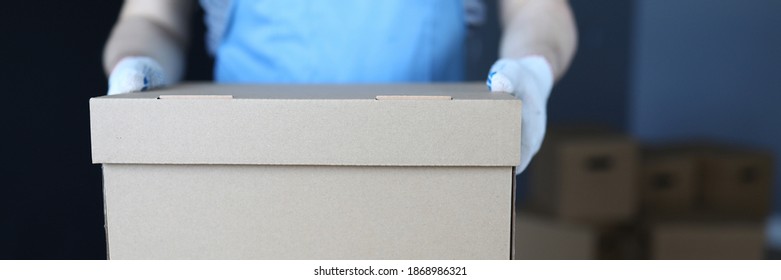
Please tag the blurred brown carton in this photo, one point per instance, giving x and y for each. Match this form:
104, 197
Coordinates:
538, 237
737, 181
585, 176
669, 182
705, 176
541, 237
707, 239
622, 242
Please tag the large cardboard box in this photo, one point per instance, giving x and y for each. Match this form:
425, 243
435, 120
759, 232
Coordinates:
710, 239
541, 237
669, 183
737, 181
308, 172
585, 176
685, 177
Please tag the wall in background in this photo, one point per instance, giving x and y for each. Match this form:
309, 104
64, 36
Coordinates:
51, 201
709, 69
595, 89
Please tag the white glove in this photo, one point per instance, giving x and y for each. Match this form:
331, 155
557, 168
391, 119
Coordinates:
135, 73
531, 80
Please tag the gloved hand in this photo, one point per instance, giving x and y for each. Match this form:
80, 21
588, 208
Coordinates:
531, 80
135, 73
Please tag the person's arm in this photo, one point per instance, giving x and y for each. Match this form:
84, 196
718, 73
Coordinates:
147, 45
539, 27
538, 44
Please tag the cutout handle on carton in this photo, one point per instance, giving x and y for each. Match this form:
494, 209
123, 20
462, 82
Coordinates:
663, 181
748, 175
195, 97
413, 97
599, 163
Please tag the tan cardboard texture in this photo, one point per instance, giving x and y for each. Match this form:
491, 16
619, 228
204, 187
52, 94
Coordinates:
352, 128
307, 212
308, 172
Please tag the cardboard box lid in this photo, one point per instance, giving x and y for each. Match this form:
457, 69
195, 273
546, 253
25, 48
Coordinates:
412, 125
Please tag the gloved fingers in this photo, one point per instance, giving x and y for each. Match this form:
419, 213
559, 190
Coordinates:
503, 76
134, 74
533, 124
529, 79
516, 76
526, 158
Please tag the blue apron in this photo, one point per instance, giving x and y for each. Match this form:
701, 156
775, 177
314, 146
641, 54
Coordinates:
342, 41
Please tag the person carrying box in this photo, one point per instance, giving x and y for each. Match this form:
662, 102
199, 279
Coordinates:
347, 41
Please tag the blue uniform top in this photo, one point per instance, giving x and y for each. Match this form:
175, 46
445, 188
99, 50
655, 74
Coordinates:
344, 41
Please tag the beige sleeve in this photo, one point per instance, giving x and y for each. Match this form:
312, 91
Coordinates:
539, 27
154, 28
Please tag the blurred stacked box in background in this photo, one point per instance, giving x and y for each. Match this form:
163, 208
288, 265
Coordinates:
539, 236
737, 181
595, 194
679, 179
585, 175
706, 236
668, 183
705, 201
582, 198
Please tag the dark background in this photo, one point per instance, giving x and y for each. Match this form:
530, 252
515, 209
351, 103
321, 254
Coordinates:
51, 198
51, 204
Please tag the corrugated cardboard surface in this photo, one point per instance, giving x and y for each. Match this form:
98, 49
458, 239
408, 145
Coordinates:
308, 212
541, 238
459, 91
708, 240
309, 125
308, 171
